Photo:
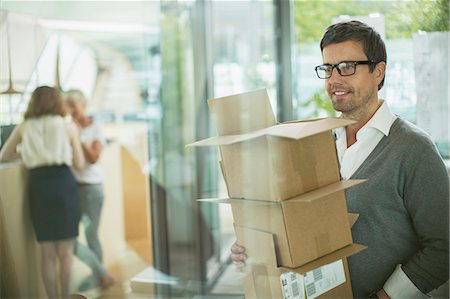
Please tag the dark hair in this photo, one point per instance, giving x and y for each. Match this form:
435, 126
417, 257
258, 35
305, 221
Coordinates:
45, 100
372, 43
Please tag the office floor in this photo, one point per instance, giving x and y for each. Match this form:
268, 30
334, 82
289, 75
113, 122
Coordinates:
122, 271
229, 285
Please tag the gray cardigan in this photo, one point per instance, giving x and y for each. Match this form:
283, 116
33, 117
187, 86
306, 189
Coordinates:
404, 212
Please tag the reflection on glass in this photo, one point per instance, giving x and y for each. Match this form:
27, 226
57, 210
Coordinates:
243, 47
400, 20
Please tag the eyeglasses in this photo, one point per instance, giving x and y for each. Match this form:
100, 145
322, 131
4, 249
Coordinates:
344, 68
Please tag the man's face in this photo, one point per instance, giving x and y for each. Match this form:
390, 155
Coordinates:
353, 94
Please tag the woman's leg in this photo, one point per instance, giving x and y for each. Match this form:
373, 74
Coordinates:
92, 203
65, 255
88, 257
49, 255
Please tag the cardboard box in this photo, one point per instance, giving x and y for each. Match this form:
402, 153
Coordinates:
326, 277
305, 227
261, 160
331, 280
242, 113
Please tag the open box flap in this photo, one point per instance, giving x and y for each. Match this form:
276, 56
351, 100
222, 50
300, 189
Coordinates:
298, 130
259, 245
242, 113
324, 191
352, 218
307, 197
215, 200
239, 201
229, 139
292, 130
329, 258
260, 249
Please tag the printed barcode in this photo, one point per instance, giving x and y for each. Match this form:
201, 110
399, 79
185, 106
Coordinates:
295, 291
311, 289
317, 273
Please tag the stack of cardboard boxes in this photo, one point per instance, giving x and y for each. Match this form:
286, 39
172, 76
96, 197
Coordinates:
287, 199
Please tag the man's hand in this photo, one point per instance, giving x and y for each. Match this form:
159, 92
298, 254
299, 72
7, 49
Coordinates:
382, 294
238, 256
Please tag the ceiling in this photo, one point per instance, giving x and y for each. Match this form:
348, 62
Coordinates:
129, 27
101, 11
94, 21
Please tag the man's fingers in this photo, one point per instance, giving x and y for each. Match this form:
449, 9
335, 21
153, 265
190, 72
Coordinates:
240, 257
236, 248
240, 266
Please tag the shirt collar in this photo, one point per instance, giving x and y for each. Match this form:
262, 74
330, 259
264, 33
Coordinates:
382, 120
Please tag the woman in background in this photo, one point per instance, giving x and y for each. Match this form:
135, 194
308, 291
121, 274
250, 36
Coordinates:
90, 186
49, 147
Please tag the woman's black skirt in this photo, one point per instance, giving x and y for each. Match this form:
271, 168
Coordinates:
54, 203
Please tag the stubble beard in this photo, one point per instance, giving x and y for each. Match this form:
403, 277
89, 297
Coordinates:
353, 107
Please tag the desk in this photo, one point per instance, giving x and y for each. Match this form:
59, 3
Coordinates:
19, 250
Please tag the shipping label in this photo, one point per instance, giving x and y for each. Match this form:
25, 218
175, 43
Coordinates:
313, 283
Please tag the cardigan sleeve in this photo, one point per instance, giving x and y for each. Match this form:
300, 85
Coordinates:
426, 197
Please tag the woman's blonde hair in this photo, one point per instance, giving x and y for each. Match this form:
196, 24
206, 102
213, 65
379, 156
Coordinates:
75, 95
45, 100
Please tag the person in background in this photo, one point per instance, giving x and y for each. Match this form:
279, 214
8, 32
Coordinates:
48, 147
404, 205
90, 186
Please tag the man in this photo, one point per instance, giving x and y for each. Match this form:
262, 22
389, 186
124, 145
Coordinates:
404, 205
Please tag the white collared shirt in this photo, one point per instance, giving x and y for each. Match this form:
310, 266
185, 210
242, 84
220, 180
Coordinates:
398, 284
367, 139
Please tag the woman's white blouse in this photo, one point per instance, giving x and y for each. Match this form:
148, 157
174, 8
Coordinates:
45, 141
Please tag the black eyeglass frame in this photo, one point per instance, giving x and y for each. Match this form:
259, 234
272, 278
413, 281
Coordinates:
368, 62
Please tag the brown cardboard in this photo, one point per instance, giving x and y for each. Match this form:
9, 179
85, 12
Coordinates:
263, 277
242, 113
305, 227
352, 218
263, 282
262, 160
273, 168
276, 169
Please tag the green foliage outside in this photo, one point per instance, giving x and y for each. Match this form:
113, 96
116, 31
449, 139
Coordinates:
321, 104
403, 17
